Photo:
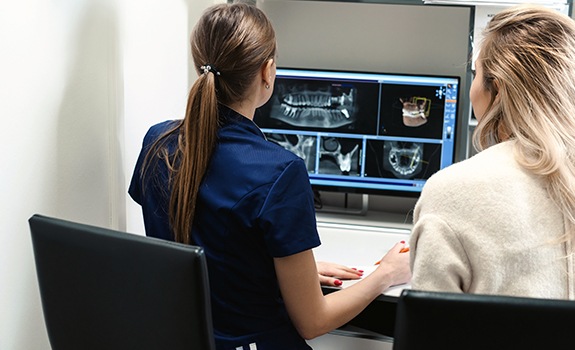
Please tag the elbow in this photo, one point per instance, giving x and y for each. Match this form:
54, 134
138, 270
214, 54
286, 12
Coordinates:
311, 331
309, 335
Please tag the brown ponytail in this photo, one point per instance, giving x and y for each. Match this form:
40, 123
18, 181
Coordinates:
196, 143
235, 40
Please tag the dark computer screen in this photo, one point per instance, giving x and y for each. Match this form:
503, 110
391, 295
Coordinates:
364, 132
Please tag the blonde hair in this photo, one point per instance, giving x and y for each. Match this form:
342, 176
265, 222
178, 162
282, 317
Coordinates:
235, 40
528, 60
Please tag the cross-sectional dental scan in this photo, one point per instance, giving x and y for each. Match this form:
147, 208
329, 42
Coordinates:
363, 132
339, 156
402, 159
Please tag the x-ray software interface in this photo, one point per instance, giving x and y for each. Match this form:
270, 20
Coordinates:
364, 132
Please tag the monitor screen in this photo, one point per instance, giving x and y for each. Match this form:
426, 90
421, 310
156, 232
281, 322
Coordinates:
360, 132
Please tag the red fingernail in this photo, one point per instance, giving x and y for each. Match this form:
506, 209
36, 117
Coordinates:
338, 283
361, 271
402, 242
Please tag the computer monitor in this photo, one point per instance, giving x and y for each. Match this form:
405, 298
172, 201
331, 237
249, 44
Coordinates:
364, 132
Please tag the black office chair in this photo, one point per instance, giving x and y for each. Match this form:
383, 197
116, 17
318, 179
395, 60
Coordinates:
433, 320
104, 289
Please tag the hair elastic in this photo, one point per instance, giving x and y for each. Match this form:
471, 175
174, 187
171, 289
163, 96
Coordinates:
209, 68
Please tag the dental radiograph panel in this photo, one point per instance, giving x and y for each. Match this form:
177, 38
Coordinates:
315, 104
335, 159
403, 159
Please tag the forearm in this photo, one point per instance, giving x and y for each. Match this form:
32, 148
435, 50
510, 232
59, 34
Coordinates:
314, 314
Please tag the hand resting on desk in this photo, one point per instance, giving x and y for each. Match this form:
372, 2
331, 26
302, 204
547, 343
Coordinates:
331, 274
334, 275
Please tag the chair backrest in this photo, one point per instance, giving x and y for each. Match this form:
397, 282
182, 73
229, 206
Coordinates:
434, 320
105, 289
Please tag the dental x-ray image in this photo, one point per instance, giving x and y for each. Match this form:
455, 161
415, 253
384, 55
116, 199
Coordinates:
339, 156
321, 105
315, 105
401, 159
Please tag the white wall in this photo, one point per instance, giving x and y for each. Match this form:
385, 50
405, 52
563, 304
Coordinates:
155, 76
58, 104
77, 79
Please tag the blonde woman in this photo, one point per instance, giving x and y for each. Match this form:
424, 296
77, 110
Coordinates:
502, 222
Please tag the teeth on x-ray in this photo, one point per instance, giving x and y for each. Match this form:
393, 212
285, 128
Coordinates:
403, 159
331, 147
314, 116
323, 108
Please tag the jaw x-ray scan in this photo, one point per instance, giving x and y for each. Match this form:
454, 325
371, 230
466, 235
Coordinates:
314, 104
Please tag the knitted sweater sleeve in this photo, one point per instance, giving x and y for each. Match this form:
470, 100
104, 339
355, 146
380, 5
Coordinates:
438, 259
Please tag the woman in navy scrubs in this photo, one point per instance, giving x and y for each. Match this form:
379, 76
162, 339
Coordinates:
213, 180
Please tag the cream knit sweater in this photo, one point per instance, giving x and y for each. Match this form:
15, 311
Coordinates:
485, 225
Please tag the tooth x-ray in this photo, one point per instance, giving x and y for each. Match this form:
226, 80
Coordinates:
339, 156
402, 159
321, 105
315, 104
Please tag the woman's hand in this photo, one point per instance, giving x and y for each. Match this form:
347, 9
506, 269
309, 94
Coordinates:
331, 274
395, 264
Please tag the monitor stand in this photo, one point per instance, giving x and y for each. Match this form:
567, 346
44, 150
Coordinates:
346, 209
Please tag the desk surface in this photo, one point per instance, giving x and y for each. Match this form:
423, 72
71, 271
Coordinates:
359, 242
372, 219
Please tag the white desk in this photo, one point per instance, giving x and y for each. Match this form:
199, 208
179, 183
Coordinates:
360, 241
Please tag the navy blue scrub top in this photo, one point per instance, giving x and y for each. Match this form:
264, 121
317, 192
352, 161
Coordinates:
255, 203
